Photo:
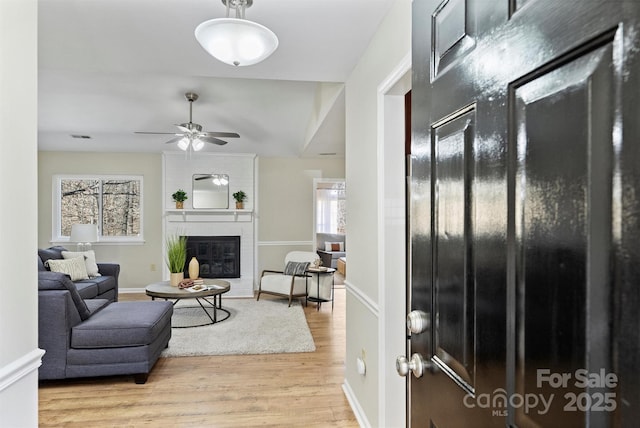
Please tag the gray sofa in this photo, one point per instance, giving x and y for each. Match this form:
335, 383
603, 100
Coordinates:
101, 287
95, 336
330, 258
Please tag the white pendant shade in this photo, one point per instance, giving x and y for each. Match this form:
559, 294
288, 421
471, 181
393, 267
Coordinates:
236, 42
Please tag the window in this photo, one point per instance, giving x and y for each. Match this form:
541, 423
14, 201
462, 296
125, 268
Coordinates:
331, 208
113, 202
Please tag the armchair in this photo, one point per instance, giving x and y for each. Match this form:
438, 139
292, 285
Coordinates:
278, 283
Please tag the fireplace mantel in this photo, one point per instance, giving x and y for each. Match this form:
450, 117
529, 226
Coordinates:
183, 215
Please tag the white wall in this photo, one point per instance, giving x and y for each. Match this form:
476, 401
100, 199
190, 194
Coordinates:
19, 356
366, 305
285, 215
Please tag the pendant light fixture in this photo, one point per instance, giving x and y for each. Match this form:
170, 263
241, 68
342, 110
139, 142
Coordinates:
236, 41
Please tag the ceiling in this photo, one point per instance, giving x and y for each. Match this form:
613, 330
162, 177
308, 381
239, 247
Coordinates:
108, 68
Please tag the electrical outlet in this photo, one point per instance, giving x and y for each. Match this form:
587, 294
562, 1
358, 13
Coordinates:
153, 267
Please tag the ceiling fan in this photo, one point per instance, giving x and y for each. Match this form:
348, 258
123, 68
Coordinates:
192, 135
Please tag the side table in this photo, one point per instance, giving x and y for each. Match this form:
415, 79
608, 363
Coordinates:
323, 292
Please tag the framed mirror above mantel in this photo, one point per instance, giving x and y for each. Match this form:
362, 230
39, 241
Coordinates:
210, 191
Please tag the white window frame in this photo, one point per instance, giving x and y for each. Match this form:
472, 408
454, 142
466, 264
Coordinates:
57, 236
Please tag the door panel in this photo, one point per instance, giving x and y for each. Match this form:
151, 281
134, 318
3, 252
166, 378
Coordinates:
525, 206
454, 299
451, 38
563, 229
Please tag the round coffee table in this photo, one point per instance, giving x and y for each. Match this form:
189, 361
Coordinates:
214, 288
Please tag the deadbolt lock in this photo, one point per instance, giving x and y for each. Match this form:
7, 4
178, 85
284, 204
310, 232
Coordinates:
417, 321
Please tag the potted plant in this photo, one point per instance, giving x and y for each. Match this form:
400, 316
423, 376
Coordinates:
176, 258
240, 197
179, 196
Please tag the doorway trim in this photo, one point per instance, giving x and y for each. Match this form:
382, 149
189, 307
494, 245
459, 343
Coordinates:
392, 287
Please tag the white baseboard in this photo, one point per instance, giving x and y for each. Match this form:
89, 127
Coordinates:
355, 405
16, 370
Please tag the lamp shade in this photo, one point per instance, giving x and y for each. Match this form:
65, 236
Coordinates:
84, 233
235, 41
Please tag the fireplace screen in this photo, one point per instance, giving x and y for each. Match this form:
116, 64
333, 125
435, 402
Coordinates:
219, 256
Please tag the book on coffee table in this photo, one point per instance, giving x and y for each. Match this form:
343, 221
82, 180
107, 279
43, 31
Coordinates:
202, 287
197, 287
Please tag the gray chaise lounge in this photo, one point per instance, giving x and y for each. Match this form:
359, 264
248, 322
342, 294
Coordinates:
97, 337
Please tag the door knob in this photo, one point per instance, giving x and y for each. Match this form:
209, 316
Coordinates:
417, 321
416, 365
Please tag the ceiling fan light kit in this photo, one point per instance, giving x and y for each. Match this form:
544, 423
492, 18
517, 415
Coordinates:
236, 41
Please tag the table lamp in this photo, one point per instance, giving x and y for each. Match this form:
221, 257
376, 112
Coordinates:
83, 235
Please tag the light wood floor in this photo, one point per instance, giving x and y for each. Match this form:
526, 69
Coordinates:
274, 390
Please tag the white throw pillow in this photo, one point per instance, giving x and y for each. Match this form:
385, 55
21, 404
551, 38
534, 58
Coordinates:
75, 268
89, 260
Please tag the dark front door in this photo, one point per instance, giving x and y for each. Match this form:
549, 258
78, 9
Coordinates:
525, 197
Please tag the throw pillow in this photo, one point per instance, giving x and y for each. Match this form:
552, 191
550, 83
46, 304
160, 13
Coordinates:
59, 281
51, 253
296, 268
334, 246
75, 268
89, 260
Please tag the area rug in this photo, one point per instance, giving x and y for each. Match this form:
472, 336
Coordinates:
253, 327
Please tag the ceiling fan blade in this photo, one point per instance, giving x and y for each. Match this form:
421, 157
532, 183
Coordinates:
155, 133
175, 139
213, 140
204, 177
221, 134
